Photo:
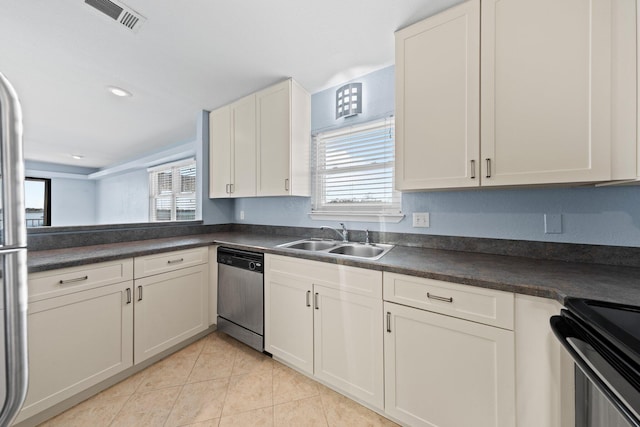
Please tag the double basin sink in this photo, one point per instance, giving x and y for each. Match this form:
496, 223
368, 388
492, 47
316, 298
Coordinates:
351, 249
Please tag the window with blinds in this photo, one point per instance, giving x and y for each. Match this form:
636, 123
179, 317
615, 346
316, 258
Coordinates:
172, 190
354, 170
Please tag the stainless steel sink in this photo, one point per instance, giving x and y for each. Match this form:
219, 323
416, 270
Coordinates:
312, 245
346, 249
366, 251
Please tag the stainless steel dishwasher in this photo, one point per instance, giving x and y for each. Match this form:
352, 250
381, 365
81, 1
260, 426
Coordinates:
241, 296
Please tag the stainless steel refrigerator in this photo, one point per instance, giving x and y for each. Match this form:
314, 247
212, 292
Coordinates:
13, 256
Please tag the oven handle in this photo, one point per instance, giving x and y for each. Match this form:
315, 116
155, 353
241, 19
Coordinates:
563, 329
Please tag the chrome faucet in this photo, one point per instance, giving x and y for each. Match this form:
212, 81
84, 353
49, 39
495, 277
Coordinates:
344, 234
366, 237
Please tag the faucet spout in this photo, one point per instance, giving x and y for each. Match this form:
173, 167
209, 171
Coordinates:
344, 234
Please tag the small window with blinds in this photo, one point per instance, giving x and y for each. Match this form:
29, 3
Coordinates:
354, 171
172, 190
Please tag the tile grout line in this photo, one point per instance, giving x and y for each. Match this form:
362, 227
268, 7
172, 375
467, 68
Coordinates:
226, 394
186, 381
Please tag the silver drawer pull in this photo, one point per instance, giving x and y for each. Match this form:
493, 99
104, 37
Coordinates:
128, 295
77, 279
388, 321
436, 297
308, 295
139, 293
315, 301
175, 261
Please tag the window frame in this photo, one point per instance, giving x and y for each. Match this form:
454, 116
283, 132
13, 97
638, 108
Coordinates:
176, 187
46, 220
357, 211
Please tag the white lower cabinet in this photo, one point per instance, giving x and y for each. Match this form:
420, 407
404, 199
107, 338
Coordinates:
77, 339
288, 318
324, 319
348, 343
170, 308
88, 323
442, 369
545, 394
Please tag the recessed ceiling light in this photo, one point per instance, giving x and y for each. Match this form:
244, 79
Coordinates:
117, 91
77, 156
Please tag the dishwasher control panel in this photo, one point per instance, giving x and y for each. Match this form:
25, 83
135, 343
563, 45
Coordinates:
251, 261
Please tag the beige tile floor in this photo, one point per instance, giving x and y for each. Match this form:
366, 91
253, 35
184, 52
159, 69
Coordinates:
217, 381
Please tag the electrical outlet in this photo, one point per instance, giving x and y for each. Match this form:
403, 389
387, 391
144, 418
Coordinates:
241, 215
421, 219
552, 223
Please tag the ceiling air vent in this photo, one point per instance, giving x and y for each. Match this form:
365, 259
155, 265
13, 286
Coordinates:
118, 12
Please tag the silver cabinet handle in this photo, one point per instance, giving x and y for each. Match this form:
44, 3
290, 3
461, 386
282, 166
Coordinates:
139, 293
77, 279
175, 261
488, 168
388, 321
231, 188
308, 298
286, 184
436, 297
128, 295
473, 169
315, 301
226, 188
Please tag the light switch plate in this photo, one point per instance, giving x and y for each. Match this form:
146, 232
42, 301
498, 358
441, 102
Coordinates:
421, 219
552, 223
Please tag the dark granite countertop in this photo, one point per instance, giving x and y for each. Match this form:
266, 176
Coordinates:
550, 279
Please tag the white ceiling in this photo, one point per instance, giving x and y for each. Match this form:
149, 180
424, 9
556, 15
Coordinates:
189, 55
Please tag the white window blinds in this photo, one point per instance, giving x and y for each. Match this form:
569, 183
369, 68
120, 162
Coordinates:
173, 192
354, 170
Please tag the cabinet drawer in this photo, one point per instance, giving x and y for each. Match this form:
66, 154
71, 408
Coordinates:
169, 261
341, 277
481, 305
54, 283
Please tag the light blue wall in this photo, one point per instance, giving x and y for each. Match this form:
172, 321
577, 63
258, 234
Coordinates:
73, 202
123, 198
606, 216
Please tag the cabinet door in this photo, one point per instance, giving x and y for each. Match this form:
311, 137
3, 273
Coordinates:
348, 343
274, 139
437, 100
243, 170
219, 152
442, 371
169, 308
546, 91
76, 341
288, 317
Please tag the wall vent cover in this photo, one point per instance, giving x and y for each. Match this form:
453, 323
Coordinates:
119, 12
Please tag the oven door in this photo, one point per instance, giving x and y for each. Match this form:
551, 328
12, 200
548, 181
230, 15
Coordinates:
607, 385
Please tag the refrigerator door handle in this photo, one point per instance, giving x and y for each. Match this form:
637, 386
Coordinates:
14, 237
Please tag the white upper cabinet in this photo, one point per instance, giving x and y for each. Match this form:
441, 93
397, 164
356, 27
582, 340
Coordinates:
437, 100
243, 163
283, 123
556, 94
219, 152
232, 149
546, 91
259, 145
